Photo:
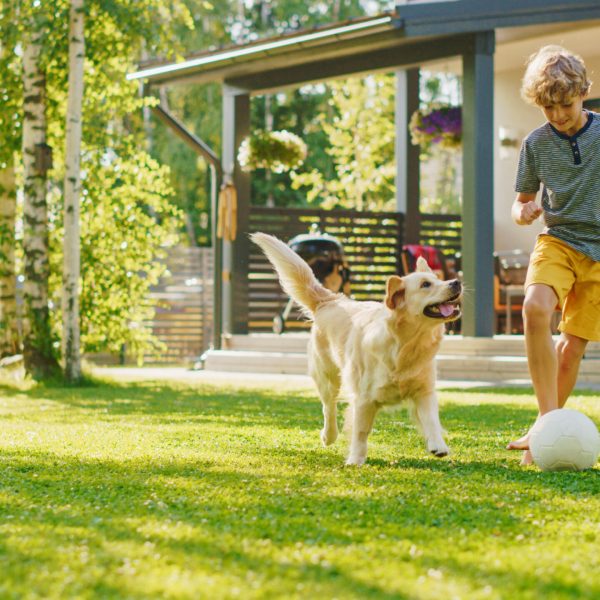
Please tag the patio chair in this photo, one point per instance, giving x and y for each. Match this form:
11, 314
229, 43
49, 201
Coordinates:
510, 270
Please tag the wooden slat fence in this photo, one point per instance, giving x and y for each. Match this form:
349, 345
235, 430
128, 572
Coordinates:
184, 316
371, 241
442, 231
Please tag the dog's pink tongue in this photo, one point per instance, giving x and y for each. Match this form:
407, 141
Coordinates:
446, 309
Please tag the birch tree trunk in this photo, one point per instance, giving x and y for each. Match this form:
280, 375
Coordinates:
9, 332
37, 340
71, 246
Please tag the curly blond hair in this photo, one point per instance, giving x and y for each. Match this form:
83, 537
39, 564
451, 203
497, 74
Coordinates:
553, 76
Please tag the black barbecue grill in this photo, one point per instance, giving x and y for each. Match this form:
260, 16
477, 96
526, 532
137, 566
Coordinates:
324, 254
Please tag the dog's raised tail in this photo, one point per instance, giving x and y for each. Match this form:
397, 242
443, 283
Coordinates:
295, 276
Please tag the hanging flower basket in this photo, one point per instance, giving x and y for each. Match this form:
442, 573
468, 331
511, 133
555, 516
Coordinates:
437, 124
278, 151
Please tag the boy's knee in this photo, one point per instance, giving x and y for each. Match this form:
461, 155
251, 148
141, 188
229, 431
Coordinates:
536, 311
569, 351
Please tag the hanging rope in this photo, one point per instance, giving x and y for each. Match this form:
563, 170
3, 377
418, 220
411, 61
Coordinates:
227, 219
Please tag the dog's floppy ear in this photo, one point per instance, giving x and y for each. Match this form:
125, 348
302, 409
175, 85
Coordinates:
394, 292
422, 266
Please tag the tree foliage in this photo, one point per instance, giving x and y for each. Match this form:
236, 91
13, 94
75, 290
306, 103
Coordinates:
11, 86
127, 215
10, 123
361, 135
127, 221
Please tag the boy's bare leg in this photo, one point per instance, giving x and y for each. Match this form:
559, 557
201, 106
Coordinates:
538, 307
569, 350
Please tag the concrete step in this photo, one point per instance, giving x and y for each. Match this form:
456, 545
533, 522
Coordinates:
497, 359
249, 361
499, 345
268, 342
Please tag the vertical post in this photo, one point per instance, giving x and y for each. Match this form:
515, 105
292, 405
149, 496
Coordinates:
234, 274
478, 185
217, 293
407, 155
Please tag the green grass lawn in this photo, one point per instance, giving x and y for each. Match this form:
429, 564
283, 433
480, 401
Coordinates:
166, 490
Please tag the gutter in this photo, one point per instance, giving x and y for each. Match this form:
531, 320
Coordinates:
267, 48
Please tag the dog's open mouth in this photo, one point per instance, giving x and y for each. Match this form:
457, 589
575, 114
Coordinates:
447, 310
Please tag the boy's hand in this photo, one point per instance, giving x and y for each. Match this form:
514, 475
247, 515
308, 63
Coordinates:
528, 213
525, 211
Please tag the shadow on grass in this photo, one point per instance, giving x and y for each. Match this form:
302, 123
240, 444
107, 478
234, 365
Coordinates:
227, 515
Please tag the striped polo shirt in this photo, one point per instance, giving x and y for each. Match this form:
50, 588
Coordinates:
568, 167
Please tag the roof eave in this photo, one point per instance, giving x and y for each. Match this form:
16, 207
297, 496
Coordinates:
410, 23
269, 48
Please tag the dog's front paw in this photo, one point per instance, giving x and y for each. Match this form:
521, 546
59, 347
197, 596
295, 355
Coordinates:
355, 461
328, 436
439, 449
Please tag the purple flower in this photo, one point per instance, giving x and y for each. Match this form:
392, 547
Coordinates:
442, 124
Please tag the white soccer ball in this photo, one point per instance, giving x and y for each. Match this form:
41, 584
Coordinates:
564, 440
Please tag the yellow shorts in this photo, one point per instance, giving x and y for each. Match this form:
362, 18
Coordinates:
575, 278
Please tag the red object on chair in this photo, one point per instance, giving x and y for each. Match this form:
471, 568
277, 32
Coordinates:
434, 258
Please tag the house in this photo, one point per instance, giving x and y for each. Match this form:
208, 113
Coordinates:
487, 41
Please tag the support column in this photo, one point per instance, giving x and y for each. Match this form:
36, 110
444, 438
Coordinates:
478, 186
407, 155
234, 275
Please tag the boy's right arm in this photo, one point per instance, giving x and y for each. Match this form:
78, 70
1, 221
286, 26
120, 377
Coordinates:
524, 209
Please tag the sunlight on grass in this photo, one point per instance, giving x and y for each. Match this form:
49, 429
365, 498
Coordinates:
165, 490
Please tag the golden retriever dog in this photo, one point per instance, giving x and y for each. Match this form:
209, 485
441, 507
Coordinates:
381, 354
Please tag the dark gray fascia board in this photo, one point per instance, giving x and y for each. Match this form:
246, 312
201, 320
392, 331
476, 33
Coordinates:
403, 55
462, 16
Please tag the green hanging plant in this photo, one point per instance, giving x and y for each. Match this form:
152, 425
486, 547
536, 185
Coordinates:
278, 151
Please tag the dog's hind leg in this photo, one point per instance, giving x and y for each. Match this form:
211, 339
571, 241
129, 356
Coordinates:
328, 387
427, 414
326, 375
363, 416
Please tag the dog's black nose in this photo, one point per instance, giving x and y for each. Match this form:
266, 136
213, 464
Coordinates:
455, 285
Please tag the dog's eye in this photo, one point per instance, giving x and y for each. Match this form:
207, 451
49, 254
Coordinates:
426, 284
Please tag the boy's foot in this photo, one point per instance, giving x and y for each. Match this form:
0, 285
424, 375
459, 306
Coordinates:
527, 458
521, 444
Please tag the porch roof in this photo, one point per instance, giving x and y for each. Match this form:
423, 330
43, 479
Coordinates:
412, 35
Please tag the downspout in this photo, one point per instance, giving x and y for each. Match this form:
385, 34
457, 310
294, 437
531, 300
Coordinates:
216, 176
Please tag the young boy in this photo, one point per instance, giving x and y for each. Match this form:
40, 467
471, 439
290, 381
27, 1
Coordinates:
564, 156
